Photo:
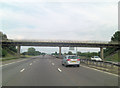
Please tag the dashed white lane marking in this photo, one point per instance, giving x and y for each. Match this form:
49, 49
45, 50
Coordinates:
53, 64
30, 63
99, 70
12, 63
22, 70
59, 70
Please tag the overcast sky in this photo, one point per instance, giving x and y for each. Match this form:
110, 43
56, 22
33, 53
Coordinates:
59, 19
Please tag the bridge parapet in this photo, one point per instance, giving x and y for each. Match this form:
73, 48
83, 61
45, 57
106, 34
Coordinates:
62, 41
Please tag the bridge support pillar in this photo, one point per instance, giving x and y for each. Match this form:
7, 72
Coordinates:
18, 51
59, 52
102, 53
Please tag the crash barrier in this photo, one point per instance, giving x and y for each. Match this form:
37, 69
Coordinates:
102, 65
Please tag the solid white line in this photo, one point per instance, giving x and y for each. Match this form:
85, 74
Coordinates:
53, 64
30, 63
22, 70
12, 63
100, 71
59, 70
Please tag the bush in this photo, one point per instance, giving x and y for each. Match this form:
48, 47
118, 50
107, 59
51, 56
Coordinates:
0, 52
4, 53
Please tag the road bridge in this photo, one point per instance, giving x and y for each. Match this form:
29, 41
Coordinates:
61, 43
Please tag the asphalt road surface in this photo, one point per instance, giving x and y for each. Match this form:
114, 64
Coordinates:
48, 71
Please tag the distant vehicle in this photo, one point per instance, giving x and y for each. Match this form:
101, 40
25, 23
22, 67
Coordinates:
96, 58
71, 60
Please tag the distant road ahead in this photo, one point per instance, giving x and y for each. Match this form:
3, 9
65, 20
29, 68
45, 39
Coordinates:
48, 71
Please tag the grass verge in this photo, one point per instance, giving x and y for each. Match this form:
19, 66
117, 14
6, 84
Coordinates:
12, 58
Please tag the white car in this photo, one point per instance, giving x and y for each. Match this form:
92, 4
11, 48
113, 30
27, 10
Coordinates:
96, 58
71, 60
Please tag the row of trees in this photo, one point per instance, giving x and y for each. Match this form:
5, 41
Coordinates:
111, 50
6, 49
3, 36
86, 54
32, 52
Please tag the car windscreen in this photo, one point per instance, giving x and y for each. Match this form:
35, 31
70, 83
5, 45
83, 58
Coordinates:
73, 57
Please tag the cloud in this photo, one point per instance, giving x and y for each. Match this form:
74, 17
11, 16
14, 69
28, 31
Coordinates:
59, 1
60, 20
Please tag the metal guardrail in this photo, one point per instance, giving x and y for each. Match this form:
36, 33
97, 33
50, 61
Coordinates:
106, 62
106, 66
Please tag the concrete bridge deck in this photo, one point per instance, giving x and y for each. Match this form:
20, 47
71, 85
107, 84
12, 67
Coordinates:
61, 43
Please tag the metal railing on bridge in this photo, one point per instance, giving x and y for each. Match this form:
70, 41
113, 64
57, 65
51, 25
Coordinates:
62, 41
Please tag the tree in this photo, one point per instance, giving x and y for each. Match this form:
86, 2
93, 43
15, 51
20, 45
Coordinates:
25, 53
43, 53
70, 53
31, 51
56, 53
4, 52
37, 53
3, 36
6, 48
78, 53
116, 37
0, 51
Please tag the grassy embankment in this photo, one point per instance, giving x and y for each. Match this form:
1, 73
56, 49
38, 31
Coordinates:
114, 57
12, 55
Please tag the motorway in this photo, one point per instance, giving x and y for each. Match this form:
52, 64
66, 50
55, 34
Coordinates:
48, 71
